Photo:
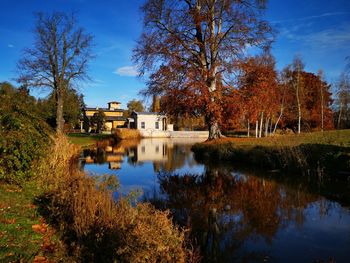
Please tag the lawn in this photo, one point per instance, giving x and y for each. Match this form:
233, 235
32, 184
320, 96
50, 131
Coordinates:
85, 140
22, 231
335, 137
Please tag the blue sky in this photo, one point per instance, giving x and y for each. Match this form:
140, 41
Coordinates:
317, 30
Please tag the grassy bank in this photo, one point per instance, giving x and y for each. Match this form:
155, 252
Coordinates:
321, 152
63, 215
24, 236
85, 139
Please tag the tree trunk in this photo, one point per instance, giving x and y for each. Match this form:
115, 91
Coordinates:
279, 118
248, 130
339, 116
298, 102
322, 109
59, 111
214, 130
281, 111
261, 124
256, 128
271, 127
267, 126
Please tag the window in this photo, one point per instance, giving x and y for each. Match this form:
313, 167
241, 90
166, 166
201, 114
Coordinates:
142, 124
157, 125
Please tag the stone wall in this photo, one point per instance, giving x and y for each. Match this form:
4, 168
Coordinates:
173, 134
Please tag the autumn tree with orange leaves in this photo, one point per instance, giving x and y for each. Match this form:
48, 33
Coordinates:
267, 100
258, 93
190, 47
308, 100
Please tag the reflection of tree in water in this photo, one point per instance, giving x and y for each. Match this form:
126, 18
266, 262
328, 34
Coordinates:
223, 210
98, 155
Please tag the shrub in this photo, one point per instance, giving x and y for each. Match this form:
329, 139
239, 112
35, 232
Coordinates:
126, 134
24, 137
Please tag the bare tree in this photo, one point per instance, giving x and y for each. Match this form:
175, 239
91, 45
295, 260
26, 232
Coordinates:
342, 101
58, 57
191, 46
322, 91
292, 77
283, 88
298, 66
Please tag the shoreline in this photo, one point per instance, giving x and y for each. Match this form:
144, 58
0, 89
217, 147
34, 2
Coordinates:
326, 154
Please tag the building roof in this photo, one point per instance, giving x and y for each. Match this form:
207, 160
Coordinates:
104, 109
115, 102
149, 113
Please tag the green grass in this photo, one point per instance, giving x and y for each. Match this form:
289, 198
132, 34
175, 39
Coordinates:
336, 138
85, 140
17, 215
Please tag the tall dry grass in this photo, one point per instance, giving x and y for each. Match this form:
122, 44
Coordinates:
95, 227
127, 134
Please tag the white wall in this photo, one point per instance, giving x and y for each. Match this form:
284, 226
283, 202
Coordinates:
174, 134
150, 121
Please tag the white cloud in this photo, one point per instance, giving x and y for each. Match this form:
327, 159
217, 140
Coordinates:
10, 46
95, 83
330, 38
123, 97
310, 17
129, 71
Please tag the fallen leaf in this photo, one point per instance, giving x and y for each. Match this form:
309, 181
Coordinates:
38, 259
8, 221
42, 228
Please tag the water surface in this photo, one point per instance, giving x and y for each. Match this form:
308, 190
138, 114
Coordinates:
235, 214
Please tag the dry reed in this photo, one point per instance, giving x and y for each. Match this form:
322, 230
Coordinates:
127, 134
95, 227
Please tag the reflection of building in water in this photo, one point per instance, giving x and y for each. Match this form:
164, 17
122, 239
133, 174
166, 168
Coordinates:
165, 154
114, 165
112, 155
89, 159
151, 150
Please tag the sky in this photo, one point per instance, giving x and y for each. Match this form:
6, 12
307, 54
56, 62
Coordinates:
316, 30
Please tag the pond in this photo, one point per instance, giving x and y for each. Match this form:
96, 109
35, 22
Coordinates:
236, 214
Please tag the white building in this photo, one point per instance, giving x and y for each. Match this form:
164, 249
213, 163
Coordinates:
155, 125
150, 121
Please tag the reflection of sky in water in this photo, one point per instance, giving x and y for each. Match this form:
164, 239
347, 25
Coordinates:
131, 177
318, 236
